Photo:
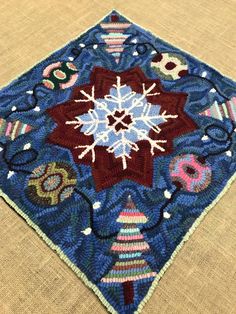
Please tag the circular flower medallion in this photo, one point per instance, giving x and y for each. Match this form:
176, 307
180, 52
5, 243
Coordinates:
169, 66
60, 75
190, 173
50, 184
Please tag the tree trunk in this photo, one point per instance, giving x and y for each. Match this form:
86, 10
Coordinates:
128, 290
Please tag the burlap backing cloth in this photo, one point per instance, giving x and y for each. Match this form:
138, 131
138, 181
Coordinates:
203, 277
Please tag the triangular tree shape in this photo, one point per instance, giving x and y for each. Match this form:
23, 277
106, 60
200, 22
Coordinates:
129, 246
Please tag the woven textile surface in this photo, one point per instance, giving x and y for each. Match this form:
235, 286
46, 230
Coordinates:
135, 105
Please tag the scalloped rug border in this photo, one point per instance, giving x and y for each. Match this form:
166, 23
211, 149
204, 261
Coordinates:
84, 278
60, 253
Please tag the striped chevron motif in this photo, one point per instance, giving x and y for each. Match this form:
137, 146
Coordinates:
13, 129
115, 36
220, 111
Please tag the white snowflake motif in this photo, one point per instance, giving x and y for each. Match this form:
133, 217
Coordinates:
119, 120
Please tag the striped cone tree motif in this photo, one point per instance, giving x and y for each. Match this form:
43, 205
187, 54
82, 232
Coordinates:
13, 129
115, 36
129, 245
221, 111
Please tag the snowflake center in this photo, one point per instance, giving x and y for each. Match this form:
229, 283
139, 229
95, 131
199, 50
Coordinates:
119, 120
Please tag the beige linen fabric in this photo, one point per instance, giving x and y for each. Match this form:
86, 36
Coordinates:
202, 278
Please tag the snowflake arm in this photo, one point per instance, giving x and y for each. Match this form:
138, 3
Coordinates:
100, 105
102, 137
124, 146
142, 134
151, 119
89, 125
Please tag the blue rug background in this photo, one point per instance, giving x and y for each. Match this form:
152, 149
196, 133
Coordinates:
63, 223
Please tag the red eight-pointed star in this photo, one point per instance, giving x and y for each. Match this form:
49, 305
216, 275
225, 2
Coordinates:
135, 163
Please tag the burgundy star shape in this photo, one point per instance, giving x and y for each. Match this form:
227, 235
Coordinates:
107, 170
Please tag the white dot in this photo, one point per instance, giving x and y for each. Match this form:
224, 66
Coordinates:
87, 231
166, 215
167, 194
37, 109
96, 205
27, 146
205, 138
229, 153
10, 174
204, 73
13, 108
